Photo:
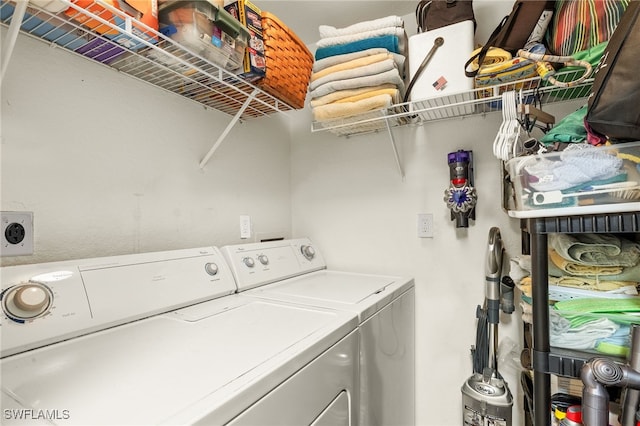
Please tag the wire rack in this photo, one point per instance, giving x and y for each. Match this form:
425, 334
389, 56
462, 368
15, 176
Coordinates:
145, 54
473, 102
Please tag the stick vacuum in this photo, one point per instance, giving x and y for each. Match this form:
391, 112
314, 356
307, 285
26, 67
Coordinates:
486, 399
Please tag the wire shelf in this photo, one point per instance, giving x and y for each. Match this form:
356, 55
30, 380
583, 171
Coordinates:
473, 102
145, 54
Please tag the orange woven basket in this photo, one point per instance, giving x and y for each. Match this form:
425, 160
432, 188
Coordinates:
288, 63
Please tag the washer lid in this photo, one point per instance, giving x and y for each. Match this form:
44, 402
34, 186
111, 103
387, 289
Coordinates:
227, 352
360, 293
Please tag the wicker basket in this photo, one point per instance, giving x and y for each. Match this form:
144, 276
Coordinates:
288, 63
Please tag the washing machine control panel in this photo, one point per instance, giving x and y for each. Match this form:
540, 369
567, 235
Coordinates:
45, 303
256, 264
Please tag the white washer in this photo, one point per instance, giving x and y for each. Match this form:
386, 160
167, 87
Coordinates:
159, 338
295, 271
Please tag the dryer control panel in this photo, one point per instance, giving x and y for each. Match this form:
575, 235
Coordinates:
50, 302
257, 264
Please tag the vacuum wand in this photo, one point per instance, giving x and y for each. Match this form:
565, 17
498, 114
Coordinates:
493, 270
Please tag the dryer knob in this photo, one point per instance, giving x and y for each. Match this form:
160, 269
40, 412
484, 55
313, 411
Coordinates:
249, 262
211, 268
263, 259
308, 252
27, 300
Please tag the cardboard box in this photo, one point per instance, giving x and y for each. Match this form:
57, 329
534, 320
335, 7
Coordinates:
254, 64
145, 11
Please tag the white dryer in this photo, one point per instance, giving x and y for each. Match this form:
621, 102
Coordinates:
295, 271
160, 338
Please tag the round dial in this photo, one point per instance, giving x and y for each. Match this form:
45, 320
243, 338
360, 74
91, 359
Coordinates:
211, 268
248, 261
263, 259
308, 252
27, 300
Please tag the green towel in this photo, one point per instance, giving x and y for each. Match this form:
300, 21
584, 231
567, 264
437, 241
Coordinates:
596, 249
599, 305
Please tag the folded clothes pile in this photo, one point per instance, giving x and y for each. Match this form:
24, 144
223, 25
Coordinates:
605, 269
358, 70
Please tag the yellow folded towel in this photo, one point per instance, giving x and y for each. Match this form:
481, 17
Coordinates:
590, 283
339, 95
577, 269
348, 109
355, 63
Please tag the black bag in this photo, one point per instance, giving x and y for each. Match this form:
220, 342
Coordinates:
614, 104
439, 13
513, 31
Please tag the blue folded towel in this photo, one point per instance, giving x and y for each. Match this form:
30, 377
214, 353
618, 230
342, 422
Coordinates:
389, 42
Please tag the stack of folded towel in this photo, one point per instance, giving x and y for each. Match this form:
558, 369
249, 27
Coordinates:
358, 70
608, 267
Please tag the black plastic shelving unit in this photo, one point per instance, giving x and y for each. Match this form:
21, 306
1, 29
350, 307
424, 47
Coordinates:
545, 360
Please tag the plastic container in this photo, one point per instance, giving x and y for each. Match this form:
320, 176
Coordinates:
206, 30
578, 180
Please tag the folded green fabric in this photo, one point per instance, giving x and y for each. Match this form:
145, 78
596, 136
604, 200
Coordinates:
593, 305
569, 129
596, 249
612, 349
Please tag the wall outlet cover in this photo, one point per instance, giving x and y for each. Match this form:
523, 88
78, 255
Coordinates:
17, 233
425, 225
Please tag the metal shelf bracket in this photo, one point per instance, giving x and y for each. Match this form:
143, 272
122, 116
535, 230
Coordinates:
227, 129
394, 147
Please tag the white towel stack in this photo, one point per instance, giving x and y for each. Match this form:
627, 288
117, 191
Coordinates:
359, 70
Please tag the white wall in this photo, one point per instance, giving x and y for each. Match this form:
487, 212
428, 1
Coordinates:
109, 165
349, 198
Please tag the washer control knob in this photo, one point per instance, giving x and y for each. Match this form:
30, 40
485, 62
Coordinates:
263, 259
211, 268
249, 262
26, 300
308, 252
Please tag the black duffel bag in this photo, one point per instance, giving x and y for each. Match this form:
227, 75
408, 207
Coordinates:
614, 104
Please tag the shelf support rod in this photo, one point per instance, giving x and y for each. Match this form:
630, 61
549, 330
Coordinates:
12, 35
393, 146
227, 129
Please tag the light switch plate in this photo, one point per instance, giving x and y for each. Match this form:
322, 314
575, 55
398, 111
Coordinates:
245, 226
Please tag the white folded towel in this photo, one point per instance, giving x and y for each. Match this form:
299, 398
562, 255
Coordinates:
392, 76
350, 38
365, 70
327, 31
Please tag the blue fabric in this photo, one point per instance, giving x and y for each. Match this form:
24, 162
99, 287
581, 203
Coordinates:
389, 42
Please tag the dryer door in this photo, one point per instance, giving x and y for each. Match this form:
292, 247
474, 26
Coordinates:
324, 392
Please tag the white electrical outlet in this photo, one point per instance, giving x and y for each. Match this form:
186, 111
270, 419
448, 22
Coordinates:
17, 233
425, 225
245, 226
